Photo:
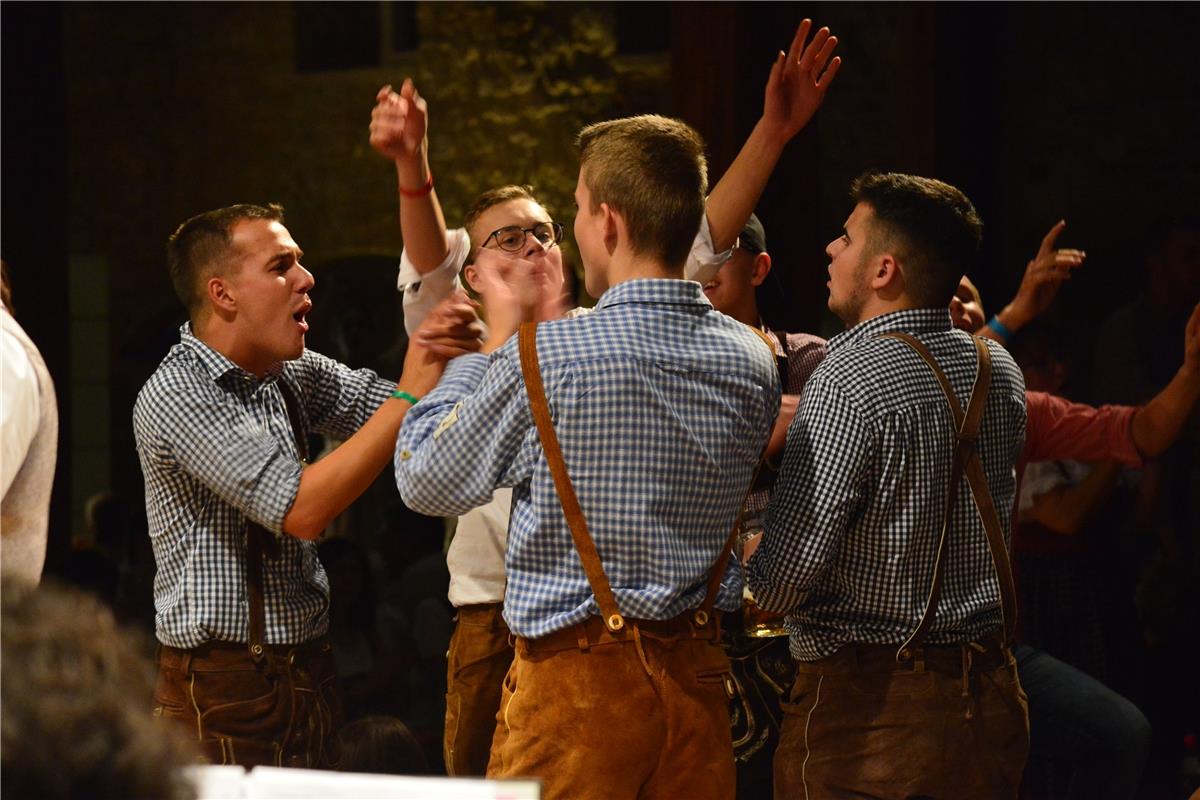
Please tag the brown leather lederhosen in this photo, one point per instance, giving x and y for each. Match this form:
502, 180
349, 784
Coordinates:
283, 703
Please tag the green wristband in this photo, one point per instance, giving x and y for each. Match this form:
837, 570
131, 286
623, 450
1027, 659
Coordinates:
399, 395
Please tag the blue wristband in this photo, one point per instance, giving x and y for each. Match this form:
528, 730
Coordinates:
999, 327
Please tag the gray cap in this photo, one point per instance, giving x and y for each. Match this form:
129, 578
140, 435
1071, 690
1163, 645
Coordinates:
752, 238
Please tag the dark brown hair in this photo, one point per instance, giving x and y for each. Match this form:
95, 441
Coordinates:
651, 170
196, 248
931, 226
76, 696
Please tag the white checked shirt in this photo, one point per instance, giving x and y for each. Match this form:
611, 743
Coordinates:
851, 532
216, 449
662, 406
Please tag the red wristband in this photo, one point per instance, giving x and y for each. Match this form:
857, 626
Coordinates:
422, 192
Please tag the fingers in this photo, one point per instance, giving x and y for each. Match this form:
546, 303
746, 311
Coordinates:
1051, 237
382, 94
797, 46
813, 51
825, 53
829, 74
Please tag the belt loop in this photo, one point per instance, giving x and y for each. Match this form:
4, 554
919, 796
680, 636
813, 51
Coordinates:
582, 637
919, 659
186, 666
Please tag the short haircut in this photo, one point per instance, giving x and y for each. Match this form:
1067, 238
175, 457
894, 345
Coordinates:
651, 170
76, 691
931, 226
494, 197
197, 246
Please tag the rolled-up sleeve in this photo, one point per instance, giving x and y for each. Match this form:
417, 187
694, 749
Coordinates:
468, 437
423, 291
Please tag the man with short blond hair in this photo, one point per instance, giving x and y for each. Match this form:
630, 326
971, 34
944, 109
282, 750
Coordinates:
661, 407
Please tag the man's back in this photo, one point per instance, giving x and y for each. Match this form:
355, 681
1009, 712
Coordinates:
662, 407
865, 481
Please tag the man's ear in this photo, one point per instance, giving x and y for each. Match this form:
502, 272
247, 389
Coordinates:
220, 295
760, 270
886, 275
613, 228
471, 276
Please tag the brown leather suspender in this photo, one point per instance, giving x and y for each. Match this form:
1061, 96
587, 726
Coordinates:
261, 543
966, 462
584, 545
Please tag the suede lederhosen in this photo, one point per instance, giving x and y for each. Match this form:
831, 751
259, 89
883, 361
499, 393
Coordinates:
615, 706
254, 703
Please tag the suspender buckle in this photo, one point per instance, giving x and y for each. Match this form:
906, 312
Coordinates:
615, 622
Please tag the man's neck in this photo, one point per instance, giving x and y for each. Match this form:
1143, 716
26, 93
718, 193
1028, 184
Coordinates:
631, 266
223, 340
876, 307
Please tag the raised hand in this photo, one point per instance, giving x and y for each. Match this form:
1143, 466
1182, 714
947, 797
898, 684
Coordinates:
450, 330
399, 123
1043, 277
799, 80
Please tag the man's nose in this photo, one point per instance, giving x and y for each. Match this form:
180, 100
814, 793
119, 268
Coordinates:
533, 245
307, 280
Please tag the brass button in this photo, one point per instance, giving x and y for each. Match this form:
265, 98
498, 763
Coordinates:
405, 455
256, 649
906, 654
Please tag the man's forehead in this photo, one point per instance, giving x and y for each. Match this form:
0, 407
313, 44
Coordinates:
255, 235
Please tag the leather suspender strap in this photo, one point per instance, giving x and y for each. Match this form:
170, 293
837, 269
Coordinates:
261, 543
584, 544
966, 461
540, 408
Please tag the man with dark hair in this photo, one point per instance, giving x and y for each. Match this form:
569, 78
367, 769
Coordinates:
653, 414
893, 572
74, 694
241, 599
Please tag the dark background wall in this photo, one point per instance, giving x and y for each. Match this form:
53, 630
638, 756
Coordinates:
121, 120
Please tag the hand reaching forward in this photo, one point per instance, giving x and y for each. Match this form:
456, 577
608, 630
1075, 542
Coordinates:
450, 330
799, 80
1191, 343
1043, 276
399, 122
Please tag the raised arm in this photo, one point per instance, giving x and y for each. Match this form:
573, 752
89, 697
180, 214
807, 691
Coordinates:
1043, 275
795, 90
399, 131
1157, 424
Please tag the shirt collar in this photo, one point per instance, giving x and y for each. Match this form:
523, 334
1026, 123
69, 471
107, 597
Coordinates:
218, 366
663, 291
910, 320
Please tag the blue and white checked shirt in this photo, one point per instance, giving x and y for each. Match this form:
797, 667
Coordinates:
216, 448
851, 532
662, 406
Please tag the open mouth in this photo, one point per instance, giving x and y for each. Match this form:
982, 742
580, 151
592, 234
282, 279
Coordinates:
300, 315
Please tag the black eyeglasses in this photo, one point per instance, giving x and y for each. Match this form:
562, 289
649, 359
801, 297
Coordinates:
511, 238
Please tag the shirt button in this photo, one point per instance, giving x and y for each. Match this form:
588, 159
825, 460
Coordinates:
405, 455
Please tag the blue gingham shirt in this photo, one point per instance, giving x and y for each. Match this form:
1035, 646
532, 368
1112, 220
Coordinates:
851, 532
216, 449
662, 406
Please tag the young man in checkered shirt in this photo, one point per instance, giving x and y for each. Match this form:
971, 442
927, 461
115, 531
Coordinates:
241, 601
883, 705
